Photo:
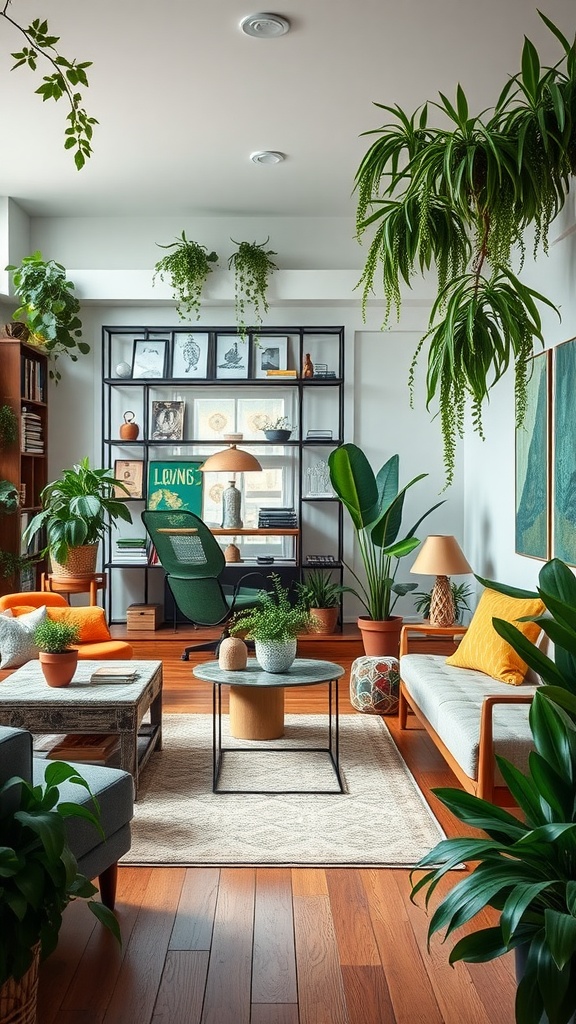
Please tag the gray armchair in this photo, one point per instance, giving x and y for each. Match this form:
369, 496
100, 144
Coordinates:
113, 788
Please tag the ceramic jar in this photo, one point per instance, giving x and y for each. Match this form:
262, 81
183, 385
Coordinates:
274, 655
129, 430
232, 654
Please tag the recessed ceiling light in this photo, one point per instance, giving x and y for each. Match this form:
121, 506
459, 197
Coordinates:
265, 26
267, 156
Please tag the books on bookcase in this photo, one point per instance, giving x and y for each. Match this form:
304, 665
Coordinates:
90, 748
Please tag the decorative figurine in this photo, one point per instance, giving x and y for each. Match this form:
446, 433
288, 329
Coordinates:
308, 368
129, 430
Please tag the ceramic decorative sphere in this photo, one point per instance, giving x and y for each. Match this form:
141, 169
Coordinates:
123, 370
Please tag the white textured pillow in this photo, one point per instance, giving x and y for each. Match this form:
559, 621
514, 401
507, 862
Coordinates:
16, 638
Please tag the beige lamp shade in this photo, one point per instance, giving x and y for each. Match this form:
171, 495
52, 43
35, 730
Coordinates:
441, 556
231, 460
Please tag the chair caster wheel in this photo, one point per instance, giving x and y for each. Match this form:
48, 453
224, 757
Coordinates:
184, 657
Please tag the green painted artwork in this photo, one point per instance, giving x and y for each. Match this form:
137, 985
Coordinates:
175, 485
564, 521
532, 466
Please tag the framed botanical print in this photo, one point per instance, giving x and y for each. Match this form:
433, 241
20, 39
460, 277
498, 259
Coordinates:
149, 358
190, 356
269, 354
167, 422
232, 357
532, 465
130, 473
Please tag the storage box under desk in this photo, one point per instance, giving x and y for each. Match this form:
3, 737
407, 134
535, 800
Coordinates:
143, 616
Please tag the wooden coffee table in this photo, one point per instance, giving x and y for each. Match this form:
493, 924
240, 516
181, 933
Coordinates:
27, 702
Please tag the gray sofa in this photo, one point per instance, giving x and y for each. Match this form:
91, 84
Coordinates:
113, 788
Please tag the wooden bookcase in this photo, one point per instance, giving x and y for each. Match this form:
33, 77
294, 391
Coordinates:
24, 387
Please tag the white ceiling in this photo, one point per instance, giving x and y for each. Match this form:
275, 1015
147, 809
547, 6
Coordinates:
183, 97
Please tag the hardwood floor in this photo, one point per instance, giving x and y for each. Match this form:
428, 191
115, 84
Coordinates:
269, 945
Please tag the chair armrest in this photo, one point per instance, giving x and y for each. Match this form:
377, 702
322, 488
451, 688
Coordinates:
426, 627
486, 759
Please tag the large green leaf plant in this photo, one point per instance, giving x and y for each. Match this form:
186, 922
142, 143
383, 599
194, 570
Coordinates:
375, 504
524, 868
459, 199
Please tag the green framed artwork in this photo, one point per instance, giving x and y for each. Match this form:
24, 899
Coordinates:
175, 485
532, 465
564, 455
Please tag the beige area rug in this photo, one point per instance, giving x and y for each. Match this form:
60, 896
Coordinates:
381, 820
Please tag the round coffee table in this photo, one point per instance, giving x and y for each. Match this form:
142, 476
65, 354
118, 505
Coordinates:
260, 698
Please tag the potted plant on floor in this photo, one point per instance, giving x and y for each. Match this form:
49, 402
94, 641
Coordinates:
375, 504
49, 308
40, 878
187, 268
58, 657
321, 596
76, 510
273, 625
524, 868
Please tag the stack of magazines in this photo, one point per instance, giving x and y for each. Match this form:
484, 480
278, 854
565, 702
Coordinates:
114, 674
277, 518
131, 550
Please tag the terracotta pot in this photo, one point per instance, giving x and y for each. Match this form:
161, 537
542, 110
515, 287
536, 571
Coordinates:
381, 637
326, 619
59, 669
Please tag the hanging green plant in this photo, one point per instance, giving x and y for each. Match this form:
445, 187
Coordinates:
8, 426
49, 308
187, 269
460, 199
252, 268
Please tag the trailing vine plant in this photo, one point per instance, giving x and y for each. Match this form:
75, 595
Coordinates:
252, 267
460, 200
187, 269
66, 78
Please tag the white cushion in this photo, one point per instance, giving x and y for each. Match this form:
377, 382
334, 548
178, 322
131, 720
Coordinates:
16, 638
451, 699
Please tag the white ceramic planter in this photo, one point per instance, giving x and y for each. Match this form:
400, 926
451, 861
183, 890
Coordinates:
274, 656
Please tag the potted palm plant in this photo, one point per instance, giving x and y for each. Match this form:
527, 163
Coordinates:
375, 504
524, 867
57, 655
273, 625
76, 510
321, 596
40, 878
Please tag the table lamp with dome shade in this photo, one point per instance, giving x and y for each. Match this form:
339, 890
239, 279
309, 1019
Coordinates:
442, 557
231, 460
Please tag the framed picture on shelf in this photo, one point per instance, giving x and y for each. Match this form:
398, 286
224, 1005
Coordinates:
175, 485
167, 422
149, 358
130, 473
190, 356
232, 358
269, 354
214, 417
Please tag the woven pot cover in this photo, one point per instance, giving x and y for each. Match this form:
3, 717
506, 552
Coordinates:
374, 685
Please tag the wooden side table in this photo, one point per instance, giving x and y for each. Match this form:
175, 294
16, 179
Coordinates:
74, 585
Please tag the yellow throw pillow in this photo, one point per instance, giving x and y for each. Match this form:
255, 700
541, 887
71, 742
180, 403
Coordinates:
482, 648
90, 620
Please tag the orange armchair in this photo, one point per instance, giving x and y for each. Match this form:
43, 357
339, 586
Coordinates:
95, 640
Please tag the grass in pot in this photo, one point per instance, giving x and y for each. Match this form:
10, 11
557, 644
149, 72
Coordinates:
58, 657
273, 625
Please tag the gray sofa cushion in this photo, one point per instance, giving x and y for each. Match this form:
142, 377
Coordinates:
15, 759
451, 699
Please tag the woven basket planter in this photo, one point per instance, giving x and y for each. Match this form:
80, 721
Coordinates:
18, 999
81, 562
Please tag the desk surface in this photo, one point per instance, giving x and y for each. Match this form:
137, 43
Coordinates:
302, 672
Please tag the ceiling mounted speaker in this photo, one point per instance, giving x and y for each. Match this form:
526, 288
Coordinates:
265, 26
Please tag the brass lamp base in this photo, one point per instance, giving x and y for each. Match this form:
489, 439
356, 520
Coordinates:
442, 612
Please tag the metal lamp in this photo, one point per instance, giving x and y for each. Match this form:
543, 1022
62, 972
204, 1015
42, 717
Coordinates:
441, 556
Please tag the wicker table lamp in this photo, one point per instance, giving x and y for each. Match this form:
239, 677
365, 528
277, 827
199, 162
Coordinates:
441, 556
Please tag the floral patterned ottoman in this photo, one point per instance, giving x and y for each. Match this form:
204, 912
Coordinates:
374, 685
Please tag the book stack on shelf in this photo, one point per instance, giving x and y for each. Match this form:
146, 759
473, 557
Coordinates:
131, 550
33, 383
93, 748
274, 374
32, 436
277, 518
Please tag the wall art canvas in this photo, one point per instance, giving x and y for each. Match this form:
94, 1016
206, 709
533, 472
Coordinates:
564, 453
532, 466
232, 357
175, 485
130, 473
149, 358
270, 354
190, 356
167, 422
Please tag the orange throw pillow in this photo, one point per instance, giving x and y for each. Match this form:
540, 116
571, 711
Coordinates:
483, 649
91, 622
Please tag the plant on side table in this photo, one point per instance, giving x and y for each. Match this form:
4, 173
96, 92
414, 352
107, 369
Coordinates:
524, 868
321, 596
76, 510
58, 657
375, 505
273, 625
49, 308
187, 268
39, 878
252, 268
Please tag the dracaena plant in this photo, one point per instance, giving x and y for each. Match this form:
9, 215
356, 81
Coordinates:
524, 867
459, 199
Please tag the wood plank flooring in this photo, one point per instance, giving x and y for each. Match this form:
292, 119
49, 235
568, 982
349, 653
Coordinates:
269, 945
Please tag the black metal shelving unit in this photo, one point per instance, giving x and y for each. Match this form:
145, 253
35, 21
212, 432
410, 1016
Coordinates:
302, 339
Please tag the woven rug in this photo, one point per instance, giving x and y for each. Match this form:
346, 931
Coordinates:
382, 820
